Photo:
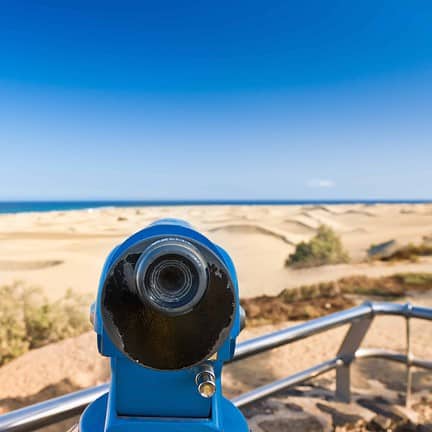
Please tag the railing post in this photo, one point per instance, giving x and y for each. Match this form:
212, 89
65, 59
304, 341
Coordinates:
343, 381
408, 354
346, 354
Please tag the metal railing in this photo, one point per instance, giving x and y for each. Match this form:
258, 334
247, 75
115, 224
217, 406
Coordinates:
360, 318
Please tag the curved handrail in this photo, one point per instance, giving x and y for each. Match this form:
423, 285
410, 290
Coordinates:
60, 408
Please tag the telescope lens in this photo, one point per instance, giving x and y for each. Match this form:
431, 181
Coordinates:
171, 276
171, 281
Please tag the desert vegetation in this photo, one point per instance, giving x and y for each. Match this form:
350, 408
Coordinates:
316, 300
324, 248
28, 320
410, 252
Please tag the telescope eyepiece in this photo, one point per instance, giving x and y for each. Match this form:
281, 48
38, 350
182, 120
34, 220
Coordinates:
171, 276
168, 301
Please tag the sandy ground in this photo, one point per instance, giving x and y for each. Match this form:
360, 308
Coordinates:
62, 250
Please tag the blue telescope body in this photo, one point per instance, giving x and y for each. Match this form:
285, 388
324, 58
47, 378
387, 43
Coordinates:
167, 314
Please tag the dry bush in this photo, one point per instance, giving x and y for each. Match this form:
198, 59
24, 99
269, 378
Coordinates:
28, 320
324, 248
410, 252
13, 334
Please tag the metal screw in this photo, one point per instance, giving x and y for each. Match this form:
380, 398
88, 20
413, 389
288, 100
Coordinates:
206, 381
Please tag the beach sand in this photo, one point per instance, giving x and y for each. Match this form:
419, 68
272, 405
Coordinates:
61, 250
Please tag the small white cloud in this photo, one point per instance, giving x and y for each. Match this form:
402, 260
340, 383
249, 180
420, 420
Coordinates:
321, 183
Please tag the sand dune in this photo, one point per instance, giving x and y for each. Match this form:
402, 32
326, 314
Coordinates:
259, 237
6, 265
299, 223
246, 228
323, 218
358, 212
69, 233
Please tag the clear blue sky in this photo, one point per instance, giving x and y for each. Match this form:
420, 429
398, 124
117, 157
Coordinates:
207, 100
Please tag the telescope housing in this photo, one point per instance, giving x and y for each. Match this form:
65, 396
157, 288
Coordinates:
168, 315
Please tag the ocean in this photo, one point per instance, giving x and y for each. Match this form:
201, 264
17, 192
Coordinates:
46, 206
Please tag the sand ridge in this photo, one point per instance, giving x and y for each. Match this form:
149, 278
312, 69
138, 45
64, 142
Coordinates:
61, 250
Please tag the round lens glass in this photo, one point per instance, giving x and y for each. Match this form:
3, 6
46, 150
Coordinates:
172, 278
171, 282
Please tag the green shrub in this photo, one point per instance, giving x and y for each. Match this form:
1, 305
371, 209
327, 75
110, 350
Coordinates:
324, 248
28, 320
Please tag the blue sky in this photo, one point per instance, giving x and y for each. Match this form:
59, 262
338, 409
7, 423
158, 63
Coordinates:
216, 100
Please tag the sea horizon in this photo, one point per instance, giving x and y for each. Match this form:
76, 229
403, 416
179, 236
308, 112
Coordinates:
70, 205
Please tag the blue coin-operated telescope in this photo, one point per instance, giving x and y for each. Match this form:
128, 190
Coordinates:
167, 314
